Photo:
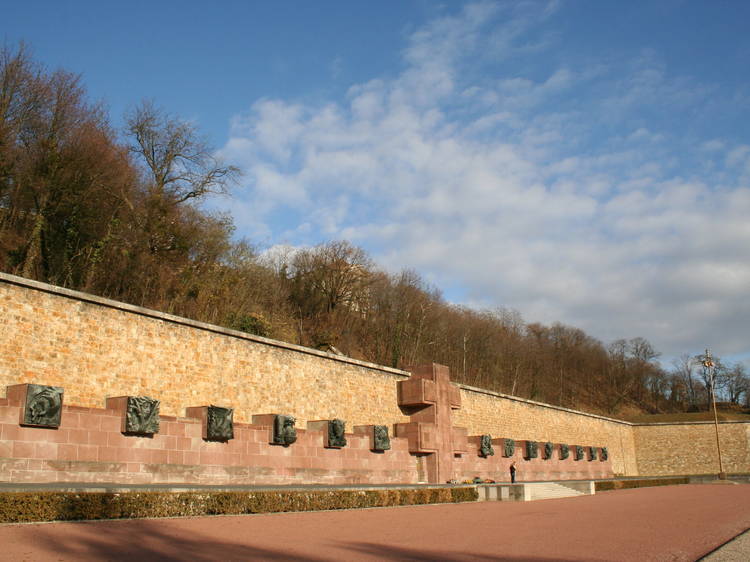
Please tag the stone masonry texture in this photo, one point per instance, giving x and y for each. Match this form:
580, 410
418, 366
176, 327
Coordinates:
690, 448
96, 348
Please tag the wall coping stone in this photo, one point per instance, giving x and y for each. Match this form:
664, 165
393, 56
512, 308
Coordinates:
689, 423
149, 313
587, 414
543, 404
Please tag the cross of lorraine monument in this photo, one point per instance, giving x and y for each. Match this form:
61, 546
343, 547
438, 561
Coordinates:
429, 398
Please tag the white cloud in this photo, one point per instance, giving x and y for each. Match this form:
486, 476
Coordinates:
566, 209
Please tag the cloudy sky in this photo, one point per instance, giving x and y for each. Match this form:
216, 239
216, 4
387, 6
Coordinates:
582, 162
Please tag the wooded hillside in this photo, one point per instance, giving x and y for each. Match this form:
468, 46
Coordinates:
118, 214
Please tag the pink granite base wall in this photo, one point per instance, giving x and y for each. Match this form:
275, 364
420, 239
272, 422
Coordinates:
497, 467
90, 447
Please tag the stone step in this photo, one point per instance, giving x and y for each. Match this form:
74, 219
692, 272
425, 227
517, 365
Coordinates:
531, 491
550, 490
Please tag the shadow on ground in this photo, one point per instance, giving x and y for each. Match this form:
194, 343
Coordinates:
118, 541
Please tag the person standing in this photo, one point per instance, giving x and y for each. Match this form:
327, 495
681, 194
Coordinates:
513, 472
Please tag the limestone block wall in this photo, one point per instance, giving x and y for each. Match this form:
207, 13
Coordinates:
690, 448
97, 348
501, 415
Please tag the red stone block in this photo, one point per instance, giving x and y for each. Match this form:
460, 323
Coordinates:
123, 455
70, 419
97, 438
67, 452
110, 423
45, 450
264, 420
16, 394
6, 448
9, 414
23, 450
191, 457
78, 436
117, 439
106, 454
175, 457
416, 392
88, 453
82, 409
193, 430
9, 432
159, 457
460, 439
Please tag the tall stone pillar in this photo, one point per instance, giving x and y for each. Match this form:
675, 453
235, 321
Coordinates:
429, 398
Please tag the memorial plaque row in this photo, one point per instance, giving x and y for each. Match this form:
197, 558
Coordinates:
43, 408
532, 450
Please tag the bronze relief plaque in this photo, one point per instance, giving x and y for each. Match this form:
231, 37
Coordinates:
284, 430
142, 416
485, 446
43, 406
219, 423
380, 438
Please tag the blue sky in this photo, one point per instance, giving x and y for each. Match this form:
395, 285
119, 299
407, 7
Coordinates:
582, 162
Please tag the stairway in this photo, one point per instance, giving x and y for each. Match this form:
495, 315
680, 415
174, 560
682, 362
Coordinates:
549, 490
531, 491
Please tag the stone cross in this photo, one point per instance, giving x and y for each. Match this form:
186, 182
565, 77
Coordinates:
428, 397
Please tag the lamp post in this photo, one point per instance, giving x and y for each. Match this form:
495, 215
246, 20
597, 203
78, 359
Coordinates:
709, 372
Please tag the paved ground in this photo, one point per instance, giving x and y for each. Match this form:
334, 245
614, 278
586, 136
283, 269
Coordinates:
667, 523
736, 550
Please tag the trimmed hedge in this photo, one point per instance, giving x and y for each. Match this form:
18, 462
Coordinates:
607, 485
22, 507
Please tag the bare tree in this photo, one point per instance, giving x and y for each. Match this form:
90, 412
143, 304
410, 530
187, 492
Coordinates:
684, 370
737, 382
178, 160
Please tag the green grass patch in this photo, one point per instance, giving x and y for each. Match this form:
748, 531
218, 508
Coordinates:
21, 507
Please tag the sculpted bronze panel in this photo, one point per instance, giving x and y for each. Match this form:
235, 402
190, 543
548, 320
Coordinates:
43, 406
564, 451
485, 446
532, 449
548, 448
509, 447
381, 439
219, 423
336, 433
142, 416
284, 430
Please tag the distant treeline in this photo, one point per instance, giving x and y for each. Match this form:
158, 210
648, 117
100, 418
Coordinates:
118, 214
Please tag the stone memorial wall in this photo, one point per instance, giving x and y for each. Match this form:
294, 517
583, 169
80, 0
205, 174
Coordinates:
114, 393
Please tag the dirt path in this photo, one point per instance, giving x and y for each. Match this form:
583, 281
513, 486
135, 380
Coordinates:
668, 523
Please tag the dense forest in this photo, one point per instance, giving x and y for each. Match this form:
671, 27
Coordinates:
119, 214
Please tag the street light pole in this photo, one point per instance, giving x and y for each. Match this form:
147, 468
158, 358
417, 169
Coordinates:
709, 370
